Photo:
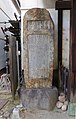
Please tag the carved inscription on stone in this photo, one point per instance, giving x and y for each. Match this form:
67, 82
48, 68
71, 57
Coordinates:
38, 48
38, 25
39, 54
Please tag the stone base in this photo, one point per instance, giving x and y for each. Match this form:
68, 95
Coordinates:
44, 98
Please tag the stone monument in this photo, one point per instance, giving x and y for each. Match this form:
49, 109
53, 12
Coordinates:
38, 49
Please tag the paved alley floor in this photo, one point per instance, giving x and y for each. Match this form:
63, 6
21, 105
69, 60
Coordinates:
31, 113
42, 114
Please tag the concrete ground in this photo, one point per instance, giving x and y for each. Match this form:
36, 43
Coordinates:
31, 113
42, 114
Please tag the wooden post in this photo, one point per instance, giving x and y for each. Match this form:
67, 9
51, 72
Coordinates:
60, 24
60, 6
71, 5
13, 65
73, 50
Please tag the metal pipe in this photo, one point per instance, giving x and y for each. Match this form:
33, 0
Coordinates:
16, 5
19, 2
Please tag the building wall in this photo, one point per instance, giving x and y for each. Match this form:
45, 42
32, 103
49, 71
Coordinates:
27, 4
7, 10
66, 38
50, 6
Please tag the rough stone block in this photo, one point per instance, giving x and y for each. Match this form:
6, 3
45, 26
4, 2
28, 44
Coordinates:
44, 98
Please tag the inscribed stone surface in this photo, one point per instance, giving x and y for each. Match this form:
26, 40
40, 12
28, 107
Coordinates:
39, 54
38, 25
38, 32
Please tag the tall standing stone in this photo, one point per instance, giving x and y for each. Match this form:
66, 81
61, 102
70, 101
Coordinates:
38, 32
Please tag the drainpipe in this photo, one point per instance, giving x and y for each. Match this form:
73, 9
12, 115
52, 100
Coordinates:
17, 5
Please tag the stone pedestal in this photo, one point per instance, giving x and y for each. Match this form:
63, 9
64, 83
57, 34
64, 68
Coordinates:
44, 98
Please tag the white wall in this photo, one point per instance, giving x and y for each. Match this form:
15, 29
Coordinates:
7, 11
66, 38
27, 4
8, 7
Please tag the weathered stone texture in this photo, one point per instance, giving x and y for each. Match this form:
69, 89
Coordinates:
38, 34
44, 98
